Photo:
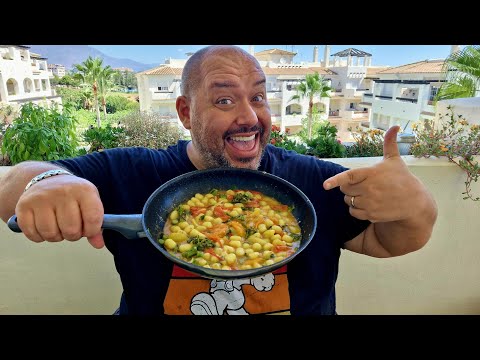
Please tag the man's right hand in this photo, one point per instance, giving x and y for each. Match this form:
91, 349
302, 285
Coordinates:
61, 207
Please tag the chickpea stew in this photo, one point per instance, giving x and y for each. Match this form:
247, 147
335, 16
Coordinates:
231, 230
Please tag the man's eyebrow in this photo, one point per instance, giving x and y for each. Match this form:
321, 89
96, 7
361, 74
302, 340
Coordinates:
229, 84
260, 82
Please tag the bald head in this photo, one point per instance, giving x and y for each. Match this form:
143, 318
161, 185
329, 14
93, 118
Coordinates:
192, 72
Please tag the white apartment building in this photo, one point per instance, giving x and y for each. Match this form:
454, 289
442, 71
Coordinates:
349, 72
24, 77
403, 95
57, 70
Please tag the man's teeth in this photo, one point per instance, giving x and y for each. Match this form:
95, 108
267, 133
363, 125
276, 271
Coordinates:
243, 138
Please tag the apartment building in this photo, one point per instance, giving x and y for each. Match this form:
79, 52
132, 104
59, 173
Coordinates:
57, 70
349, 73
403, 95
24, 77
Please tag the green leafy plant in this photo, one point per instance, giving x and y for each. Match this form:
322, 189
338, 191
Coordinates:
40, 133
325, 143
116, 103
79, 98
148, 130
103, 138
453, 137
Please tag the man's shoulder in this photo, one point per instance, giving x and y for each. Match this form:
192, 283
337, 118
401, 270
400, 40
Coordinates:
140, 152
279, 160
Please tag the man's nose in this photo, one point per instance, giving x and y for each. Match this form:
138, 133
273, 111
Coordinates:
246, 115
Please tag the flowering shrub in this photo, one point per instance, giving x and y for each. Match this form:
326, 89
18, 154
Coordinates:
282, 140
367, 143
276, 137
454, 138
4, 160
149, 130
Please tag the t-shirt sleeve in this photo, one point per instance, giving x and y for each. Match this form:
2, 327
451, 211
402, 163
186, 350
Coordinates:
348, 227
92, 167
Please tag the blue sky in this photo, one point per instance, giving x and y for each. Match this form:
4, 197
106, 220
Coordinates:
391, 55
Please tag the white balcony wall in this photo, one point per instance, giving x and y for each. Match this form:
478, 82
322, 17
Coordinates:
441, 278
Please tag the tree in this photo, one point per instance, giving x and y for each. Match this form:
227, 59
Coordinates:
124, 79
462, 74
68, 80
89, 72
86, 97
313, 85
104, 85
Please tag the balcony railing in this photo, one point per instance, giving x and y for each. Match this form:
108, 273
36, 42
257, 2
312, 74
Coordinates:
407, 100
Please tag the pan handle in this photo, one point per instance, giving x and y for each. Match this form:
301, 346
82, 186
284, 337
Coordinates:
129, 226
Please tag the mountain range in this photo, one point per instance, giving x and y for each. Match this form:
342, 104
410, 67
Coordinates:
67, 55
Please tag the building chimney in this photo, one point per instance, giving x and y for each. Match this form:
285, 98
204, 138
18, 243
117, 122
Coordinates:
251, 50
315, 54
454, 49
326, 55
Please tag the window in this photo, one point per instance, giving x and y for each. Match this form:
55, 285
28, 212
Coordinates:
433, 92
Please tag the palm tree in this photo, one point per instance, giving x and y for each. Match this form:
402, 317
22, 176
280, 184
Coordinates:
89, 72
313, 85
105, 83
87, 97
462, 74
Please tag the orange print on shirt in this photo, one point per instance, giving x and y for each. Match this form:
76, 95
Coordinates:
190, 294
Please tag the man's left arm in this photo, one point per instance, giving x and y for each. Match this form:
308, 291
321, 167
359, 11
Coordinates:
400, 207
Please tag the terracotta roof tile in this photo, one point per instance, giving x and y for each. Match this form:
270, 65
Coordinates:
323, 71
275, 51
296, 70
425, 66
163, 70
375, 70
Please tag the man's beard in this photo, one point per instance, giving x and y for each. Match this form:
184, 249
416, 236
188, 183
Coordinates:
216, 157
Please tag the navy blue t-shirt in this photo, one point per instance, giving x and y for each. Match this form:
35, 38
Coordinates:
126, 177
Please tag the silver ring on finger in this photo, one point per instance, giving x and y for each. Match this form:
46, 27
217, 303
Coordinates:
352, 201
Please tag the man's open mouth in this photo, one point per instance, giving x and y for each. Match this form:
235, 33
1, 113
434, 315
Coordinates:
242, 142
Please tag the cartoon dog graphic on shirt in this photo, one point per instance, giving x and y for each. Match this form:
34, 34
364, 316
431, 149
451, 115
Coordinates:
227, 296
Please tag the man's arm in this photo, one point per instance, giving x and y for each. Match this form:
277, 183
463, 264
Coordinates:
53, 209
401, 209
14, 181
394, 238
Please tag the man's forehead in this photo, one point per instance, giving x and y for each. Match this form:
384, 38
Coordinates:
230, 81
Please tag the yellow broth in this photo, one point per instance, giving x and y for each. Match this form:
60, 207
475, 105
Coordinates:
231, 230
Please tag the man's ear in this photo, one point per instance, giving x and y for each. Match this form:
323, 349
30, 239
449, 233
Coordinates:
183, 110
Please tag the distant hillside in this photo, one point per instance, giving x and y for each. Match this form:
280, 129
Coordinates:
68, 55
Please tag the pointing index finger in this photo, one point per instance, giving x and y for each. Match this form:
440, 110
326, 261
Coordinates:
350, 177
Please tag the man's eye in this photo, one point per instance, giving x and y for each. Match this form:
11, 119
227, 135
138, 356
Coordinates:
224, 101
258, 98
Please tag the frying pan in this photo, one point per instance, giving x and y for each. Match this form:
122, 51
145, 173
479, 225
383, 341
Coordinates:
181, 188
